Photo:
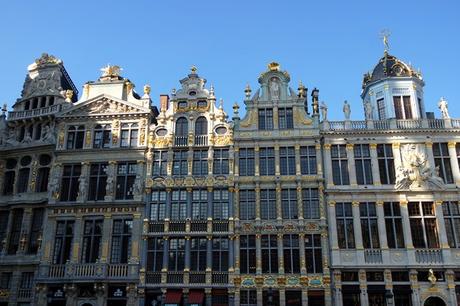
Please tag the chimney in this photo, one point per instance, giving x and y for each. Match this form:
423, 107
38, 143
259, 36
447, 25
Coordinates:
164, 102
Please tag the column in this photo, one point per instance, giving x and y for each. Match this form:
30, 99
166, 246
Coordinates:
83, 182
208, 293
363, 286
236, 202
236, 157
260, 296
25, 229
396, 154
237, 253
275, 117
406, 224
381, 225
327, 296
231, 203
282, 293
303, 264
77, 234
106, 230
415, 287
429, 154
209, 254
299, 201
258, 254
444, 243
450, 276
325, 251
333, 226
389, 286
351, 164
256, 160
210, 197
327, 164
304, 296
454, 161
278, 202
237, 297
165, 254
111, 178
337, 285
357, 226
280, 254
189, 203
168, 204
257, 190
187, 254
231, 254
297, 159
277, 159
319, 159
375, 164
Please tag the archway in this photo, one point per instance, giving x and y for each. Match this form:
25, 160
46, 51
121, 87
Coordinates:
434, 301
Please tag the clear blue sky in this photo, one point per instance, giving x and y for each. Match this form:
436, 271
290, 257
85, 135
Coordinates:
325, 44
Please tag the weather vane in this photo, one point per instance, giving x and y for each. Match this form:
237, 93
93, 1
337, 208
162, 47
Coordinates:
384, 34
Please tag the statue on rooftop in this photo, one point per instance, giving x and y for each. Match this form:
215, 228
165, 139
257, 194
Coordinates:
442, 105
368, 110
323, 109
346, 110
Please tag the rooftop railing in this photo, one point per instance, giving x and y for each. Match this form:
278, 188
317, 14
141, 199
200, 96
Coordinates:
43, 111
391, 124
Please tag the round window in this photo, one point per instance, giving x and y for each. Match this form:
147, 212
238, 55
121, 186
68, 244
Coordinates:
221, 130
11, 163
45, 159
25, 161
161, 132
192, 93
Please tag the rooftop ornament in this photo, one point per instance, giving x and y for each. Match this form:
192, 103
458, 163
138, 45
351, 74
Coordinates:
111, 71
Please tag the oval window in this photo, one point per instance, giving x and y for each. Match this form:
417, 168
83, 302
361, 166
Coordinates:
161, 132
26, 160
11, 163
192, 93
221, 130
45, 159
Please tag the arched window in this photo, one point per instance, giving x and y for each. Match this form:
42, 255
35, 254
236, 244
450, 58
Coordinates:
182, 127
24, 171
10, 175
102, 136
75, 137
201, 126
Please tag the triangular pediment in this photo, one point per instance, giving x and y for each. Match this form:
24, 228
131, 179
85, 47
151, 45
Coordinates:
103, 105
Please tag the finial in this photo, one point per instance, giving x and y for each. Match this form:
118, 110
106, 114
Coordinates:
301, 89
111, 70
384, 34
221, 103
274, 66
147, 89
211, 90
173, 92
68, 95
193, 69
248, 91
236, 107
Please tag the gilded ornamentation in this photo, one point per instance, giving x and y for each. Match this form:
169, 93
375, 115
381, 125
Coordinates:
250, 120
301, 119
224, 140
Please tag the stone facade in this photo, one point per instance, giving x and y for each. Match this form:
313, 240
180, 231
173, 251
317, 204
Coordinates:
108, 200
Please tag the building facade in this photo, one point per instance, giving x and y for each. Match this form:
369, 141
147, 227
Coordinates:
107, 199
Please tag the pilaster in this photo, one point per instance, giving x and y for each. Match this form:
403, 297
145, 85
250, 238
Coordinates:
327, 164
351, 164
375, 164
454, 161
357, 226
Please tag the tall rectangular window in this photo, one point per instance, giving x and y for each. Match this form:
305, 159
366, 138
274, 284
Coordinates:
393, 225
70, 183
423, 224
15, 231
129, 135
310, 201
179, 205
180, 163
27, 279
220, 204
289, 204
267, 161
97, 181
407, 107
363, 164
386, 163
42, 179
176, 254
247, 254
92, 238
160, 162
451, 213
199, 204
268, 204
246, 162
247, 205
200, 162
381, 109
265, 119
23, 179
220, 165
35, 229
158, 205
403, 107
313, 253
102, 136
8, 182
75, 137
345, 231
126, 177
5, 280
285, 118
369, 227
155, 254
220, 254
269, 247
287, 161
121, 240
291, 253
442, 161
308, 160
63, 241
4, 216
198, 253
248, 297
339, 165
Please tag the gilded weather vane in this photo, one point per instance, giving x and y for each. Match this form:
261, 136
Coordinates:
384, 34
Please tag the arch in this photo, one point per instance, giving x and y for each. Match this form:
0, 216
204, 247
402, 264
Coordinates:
434, 301
181, 126
201, 126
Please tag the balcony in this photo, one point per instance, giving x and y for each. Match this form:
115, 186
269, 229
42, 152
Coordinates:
90, 271
24, 294
175, 277
219, 277
198, 226
391, 124
428, 256
197, 278
373, 256
156, 227
181, 141
33, 113
201, 140
220, 226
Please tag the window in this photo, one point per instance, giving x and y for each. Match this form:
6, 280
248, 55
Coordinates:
267, 161
386, 163
265, 119
180, 164
289, 204
339, 165
129, 135
457, 149
220, 165
269, 248
285, 120
179, 205
220, 254
5, 280
23, 179
381, 109
155, 254
27, 279
176, 261
363, 164
15, 231
92, 236
160, 162
310, 201
200, 162
126, 177
97, 181
248, 297
75, 137
8, 183
63, 241
35, 230
70, 182
393, 225
345, 231
308, 160
451, 213
199, 204
220, 204
201, 126
402, 110
42, 179
287, 160
158, 206
423, 225
268, 204
121, 240
442, 162
102, 136
198, 254
313, 253
181, 127
247, 205
247, 254
369, 227
291, 254
246, 162
4, 216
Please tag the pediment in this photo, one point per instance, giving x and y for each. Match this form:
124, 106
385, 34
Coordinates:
103, 105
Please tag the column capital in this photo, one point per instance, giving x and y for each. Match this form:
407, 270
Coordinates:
438, 202
451, 144
373, 146
403, 203
395, 145
355, 203
318, 146
379, 203
327, 146
332, 203
428, 144
350, 146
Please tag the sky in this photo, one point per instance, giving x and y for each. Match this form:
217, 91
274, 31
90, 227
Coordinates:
326, 44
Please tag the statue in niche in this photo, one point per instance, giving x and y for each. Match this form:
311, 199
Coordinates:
323, 109
442, 105
27, 138
137, 185
11, 140
346, 110
82, 188
368, 110
48, 135
274, 89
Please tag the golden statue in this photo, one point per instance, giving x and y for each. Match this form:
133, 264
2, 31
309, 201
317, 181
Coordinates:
111, 70
385, 34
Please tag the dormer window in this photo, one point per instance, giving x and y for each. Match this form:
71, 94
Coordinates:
182, 104
75, 137
202, 104
102, 136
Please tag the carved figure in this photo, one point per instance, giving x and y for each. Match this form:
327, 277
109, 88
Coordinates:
346, 110
82, 187
274, 88
48, 135
53, 185
442, 105
11, 140
27, 138
138, 185
368, 110
323, 109
431, 277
